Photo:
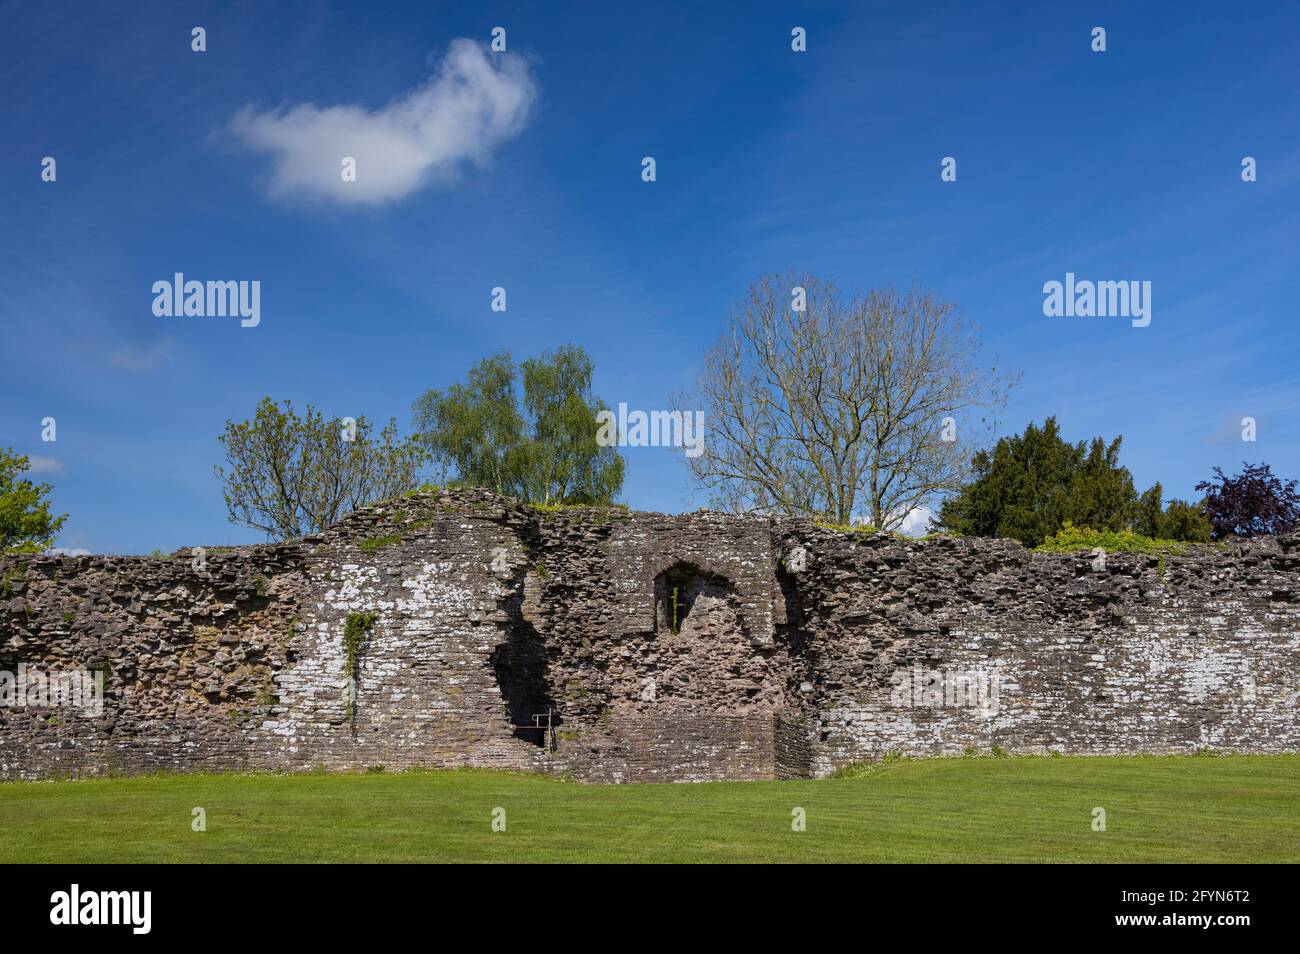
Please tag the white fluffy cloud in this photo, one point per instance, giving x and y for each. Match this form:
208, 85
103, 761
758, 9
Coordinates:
474, 101
917, 522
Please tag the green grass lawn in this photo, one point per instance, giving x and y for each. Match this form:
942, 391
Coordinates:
1175, 809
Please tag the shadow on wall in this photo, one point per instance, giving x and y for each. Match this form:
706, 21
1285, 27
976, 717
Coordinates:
520, 665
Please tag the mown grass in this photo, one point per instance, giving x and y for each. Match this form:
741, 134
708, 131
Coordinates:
1168, 809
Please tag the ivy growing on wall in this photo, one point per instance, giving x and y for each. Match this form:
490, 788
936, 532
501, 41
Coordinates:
354, 637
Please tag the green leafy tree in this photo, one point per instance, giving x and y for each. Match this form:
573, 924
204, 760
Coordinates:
475, 428
1030, 485
290, 476
1179, 520
1146, 520
26, 524
1184, 521
541, 449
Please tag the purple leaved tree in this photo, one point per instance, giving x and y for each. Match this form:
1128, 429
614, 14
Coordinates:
1253, 503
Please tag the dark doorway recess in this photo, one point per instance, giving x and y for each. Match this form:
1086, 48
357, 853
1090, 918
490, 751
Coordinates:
676, 590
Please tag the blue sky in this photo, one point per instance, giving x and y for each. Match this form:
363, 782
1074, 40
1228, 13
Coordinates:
1115, 165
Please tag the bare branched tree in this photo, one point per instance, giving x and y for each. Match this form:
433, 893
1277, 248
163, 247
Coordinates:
839, 410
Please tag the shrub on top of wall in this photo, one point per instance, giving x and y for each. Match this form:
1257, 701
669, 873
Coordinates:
1071, 539
422, 489
859, 529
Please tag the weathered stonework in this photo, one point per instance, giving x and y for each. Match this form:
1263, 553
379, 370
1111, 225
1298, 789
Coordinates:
656, 647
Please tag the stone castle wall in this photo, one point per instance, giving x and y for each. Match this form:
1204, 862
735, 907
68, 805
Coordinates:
622, 646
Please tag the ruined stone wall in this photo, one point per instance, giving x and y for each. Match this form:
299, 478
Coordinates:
947, 645
188, 658
641, 695
621, 646
501, 637
439, 674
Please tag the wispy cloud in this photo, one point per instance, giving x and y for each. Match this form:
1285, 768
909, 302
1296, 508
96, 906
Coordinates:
140, 357
44, 465
1230, 429
474, 101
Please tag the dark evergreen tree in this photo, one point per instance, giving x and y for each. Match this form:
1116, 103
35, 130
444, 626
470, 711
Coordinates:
1030, 484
